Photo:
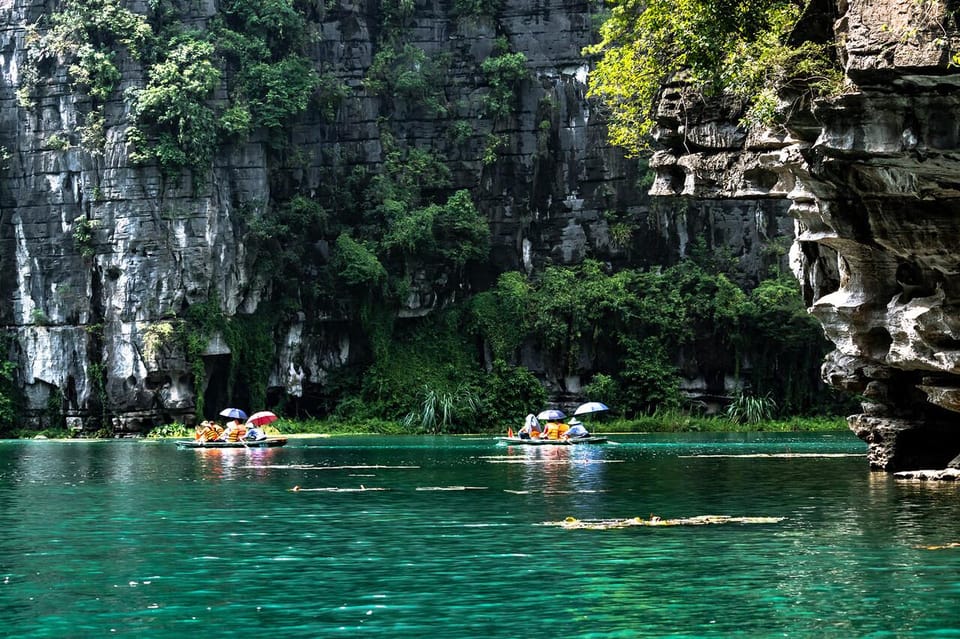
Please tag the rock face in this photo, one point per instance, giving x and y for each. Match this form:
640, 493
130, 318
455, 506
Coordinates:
101, 257
873, 177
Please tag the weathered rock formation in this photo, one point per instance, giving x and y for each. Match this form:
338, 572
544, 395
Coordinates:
100, 257
873, 176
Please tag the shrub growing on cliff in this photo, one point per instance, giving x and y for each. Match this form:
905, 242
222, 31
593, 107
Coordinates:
738, 46
175, 103
504, 71
408, 73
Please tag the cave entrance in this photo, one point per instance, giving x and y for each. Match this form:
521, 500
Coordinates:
215, 397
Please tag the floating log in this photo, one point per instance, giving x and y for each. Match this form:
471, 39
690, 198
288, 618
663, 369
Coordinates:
952, 544
571, 523
362, 489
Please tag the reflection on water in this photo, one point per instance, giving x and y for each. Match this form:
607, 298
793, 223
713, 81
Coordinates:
443, 537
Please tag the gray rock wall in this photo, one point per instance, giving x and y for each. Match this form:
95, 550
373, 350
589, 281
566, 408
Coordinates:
101, 257
874, 183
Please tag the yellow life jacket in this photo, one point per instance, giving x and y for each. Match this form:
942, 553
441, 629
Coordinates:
210, 433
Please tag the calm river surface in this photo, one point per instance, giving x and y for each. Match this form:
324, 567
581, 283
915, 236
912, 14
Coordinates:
141, 539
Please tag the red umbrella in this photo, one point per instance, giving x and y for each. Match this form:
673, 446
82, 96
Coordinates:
262, 418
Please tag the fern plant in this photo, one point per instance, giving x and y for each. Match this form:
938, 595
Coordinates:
749, 409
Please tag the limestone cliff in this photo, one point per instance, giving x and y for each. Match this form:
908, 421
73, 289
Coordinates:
101, 255
873, 177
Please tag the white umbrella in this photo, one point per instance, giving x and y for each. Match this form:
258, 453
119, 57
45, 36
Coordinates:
590, 407
551, 414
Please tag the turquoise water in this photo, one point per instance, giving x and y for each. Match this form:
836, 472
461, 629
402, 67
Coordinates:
141, 539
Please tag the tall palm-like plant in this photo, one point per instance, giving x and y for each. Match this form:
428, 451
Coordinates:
749, 409
439, 409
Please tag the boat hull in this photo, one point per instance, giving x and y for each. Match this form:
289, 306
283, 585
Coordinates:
269, 442
554, 442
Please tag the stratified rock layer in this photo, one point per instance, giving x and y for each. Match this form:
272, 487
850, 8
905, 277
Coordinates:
874, 181
101, 257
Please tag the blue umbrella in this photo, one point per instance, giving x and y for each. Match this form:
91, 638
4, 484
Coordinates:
590, 407
235, 413
551, 415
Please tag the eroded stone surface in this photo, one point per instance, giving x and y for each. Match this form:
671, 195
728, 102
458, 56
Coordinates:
875, 190
85, 320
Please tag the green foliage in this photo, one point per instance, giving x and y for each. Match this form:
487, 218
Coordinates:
88, 32
634, 325
737, 46
504, 72
454, 233
200, 323
460, 132
649, 379
357, 264
750, 409
236, 120
786, 345
331, 93
252, 347
503, 314
267, 27
84, 230
510, 392
445, 411
476, 8
602, 388
10, 397
395, 14
278, 91
492, 145
174, 105
58, 142
175, 429
407, 72
432, 354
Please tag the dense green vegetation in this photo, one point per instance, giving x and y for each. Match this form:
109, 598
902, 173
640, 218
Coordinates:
624, 331
255, 46
363, 241
738, 47
660, 423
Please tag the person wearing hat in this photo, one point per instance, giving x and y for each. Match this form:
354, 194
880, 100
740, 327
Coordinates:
234, 432
531, 428
577, 429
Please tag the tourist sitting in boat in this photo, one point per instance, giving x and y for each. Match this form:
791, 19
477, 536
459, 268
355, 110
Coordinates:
208, 431
255, 434
556, 430
577, 429
531, 428
234, 432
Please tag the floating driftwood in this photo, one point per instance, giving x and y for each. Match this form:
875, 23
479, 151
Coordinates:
452, 488
552, 492
362, 489
571, 523
566, 461
952, 544
315, 467
778, 455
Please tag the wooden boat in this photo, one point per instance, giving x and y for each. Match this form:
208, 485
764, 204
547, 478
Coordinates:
269, 442
541, 441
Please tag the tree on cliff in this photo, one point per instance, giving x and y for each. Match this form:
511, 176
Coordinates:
738, 47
